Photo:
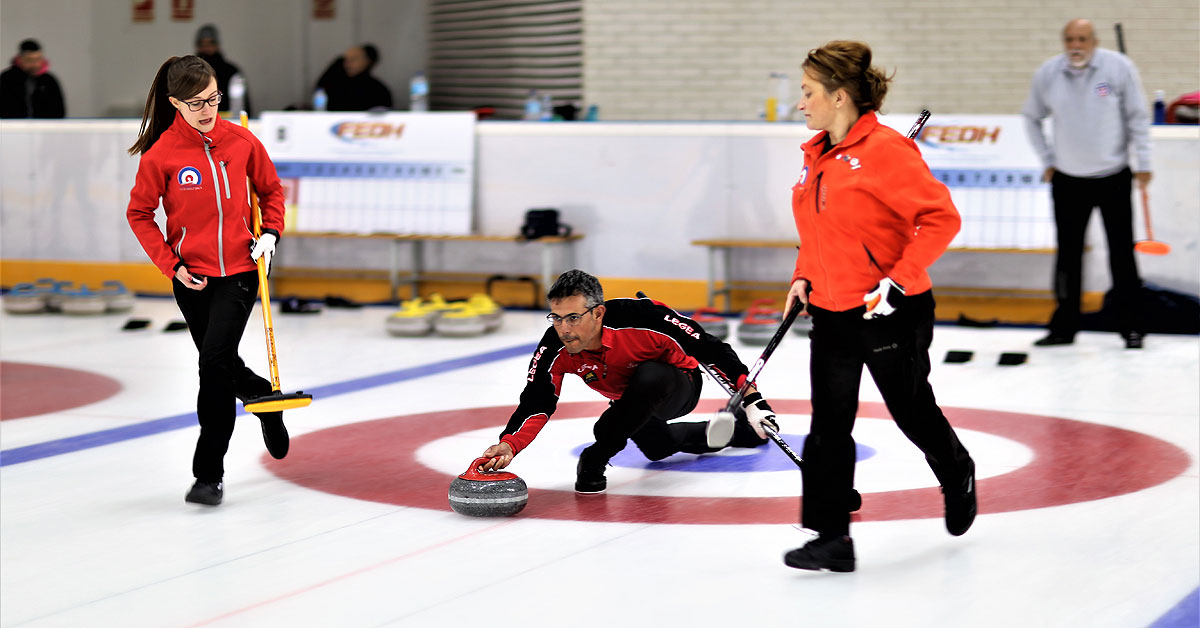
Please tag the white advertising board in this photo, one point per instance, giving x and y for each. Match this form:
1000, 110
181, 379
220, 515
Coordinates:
352, 172
994, 176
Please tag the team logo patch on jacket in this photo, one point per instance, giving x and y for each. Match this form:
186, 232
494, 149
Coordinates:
853, 161
590, 377
803, 177
189, 178
1102, 89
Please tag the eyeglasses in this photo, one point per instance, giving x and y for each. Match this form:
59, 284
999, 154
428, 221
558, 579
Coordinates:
197, 105
570, 319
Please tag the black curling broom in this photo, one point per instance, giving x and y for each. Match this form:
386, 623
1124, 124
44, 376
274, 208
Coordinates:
276, 400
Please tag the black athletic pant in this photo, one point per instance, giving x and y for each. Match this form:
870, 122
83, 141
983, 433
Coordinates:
216, 317
1074, 199
656, 393
895, 349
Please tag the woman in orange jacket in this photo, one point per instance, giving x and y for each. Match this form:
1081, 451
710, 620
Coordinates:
197, 165
871, 219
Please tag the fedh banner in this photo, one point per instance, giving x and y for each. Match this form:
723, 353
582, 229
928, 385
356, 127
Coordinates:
994, 176
352, 172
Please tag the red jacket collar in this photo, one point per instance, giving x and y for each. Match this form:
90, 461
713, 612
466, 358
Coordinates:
190, 133
862, 127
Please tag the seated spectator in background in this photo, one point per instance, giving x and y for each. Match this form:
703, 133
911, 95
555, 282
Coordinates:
349, 85
208, 47
27, 89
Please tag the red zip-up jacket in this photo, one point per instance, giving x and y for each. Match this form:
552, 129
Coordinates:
868, 208
635, 331
201, 180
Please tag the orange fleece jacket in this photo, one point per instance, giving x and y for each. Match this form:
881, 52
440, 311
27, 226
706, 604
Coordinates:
868, 208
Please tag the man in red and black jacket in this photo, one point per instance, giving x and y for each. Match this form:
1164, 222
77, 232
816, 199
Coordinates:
645, 358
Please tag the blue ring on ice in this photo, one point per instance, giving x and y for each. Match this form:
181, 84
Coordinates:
765, 458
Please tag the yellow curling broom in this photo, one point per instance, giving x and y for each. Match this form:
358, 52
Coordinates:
275, 401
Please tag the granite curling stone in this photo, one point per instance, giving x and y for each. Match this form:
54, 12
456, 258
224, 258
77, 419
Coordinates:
758, 326
487, 494
712, 322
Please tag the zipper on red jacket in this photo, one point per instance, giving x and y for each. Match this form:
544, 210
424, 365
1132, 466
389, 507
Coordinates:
817, 229
872, 258
179, 245
817, 195
220, 208
226, 175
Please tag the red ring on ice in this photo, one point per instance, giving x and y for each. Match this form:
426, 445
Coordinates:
1073, 461
33, 389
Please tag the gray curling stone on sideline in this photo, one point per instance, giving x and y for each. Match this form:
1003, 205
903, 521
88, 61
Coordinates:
83, 302
116, 297
802, 325
26, 298
712, 322
460, 322
759, 326
413, 318
55, 292
491, 494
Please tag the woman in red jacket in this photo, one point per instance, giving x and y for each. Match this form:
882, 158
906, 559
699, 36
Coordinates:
871, 219
197, 165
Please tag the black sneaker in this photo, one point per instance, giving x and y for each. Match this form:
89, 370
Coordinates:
1133, 340
834, 552
960, 504
207, 493
275, 435
589, 476
1054, 339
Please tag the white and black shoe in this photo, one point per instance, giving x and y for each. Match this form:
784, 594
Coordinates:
206, 493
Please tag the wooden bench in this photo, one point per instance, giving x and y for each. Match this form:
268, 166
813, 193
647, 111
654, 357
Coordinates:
720, 254
417, 272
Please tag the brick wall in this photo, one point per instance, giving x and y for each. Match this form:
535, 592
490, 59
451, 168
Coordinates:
710, 59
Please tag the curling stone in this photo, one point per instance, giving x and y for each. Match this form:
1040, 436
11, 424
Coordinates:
759, 325
116, 297
83, 302
26, 298
802, 326
413, 319
460, 322
56, 293
712, 322
491, 494
489, 310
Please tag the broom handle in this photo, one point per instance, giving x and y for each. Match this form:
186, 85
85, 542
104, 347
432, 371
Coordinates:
1146, 212
264, 292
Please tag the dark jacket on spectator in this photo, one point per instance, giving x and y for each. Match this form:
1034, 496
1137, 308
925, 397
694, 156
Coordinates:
30, 95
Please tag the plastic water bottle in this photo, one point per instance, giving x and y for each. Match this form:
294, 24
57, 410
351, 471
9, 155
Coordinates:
418, 92
778, 97
320, 100
533, 106
547, 108
1160, 107
237, 93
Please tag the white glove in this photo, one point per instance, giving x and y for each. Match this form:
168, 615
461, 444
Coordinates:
263, 247
758, 412
883, 299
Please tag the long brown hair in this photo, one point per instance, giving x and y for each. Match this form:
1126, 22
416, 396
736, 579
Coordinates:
181, 77
847, 65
